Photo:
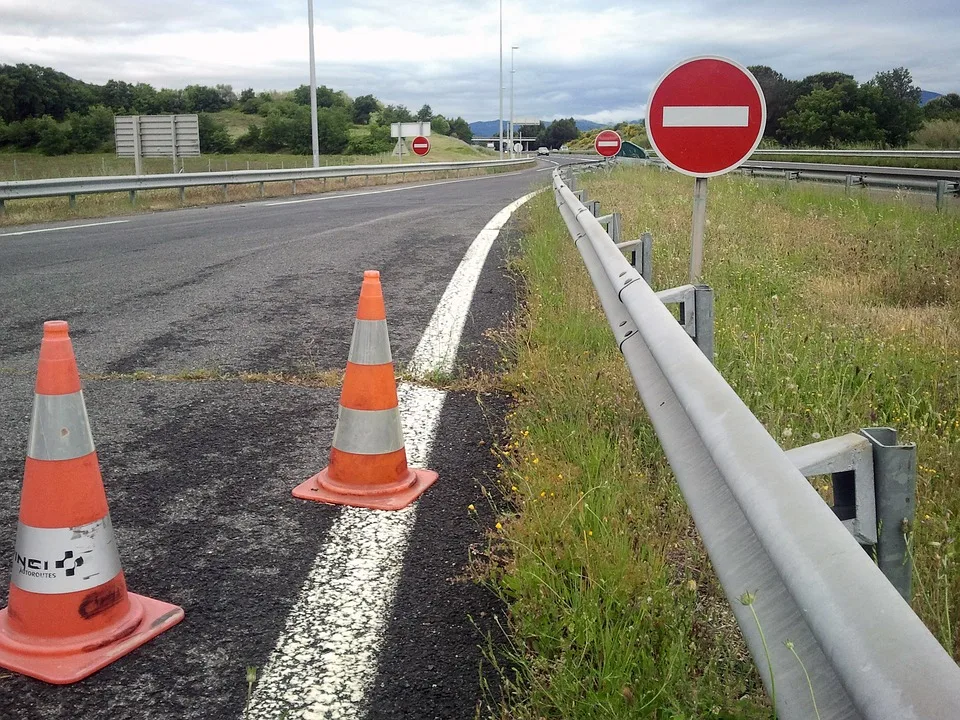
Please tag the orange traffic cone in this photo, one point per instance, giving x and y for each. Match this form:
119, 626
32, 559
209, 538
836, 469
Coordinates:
69, 612
368, 462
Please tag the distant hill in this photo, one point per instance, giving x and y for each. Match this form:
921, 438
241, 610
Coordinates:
925, 97
488, 128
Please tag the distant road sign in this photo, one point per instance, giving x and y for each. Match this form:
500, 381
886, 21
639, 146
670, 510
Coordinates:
607, 143
517, 147
410, 129
706, 116
420, 145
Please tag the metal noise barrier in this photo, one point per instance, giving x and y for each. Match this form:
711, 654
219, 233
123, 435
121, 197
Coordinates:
775, 545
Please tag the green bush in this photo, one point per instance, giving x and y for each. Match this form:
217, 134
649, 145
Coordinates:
91, 132
54, 138
214, 137
377, 141
939, 134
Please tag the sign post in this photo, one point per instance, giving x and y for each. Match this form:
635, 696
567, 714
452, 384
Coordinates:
705, 117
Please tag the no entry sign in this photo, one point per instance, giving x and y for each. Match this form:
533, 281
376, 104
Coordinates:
607, 143
420, 145
706, 116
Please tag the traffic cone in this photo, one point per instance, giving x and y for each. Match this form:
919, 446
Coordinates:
69, 613
368, 462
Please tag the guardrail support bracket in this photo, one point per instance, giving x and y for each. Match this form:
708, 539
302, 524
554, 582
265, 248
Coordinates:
696, 313
895, 479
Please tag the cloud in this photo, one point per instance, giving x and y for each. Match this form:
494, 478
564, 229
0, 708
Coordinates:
597, 60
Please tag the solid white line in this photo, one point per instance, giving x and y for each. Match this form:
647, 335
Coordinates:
438, 346
390, 190
706, 116
63, 227
326, 657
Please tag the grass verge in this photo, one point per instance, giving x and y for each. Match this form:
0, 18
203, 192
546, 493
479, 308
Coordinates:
833, 313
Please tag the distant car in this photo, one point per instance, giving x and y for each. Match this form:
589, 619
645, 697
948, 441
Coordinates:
543, 150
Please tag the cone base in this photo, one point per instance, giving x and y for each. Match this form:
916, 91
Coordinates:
318, 488
43, 663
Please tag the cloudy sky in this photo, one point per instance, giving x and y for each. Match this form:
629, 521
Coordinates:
595, 59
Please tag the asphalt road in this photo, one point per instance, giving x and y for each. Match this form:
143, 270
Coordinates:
199, 474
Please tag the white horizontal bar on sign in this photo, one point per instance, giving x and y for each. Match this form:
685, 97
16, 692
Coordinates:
608, 143
706, 116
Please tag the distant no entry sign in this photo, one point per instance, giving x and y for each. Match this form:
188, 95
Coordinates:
420, 145
706, 116
607, 143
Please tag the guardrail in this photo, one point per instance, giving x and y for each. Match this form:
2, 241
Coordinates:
777, 548
942, 154
71, 187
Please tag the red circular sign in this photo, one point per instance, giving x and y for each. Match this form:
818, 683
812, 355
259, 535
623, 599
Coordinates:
607, 143
420, 145
706, 116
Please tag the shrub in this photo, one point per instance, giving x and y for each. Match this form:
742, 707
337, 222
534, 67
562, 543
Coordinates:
91, 132
939, 134
214, 137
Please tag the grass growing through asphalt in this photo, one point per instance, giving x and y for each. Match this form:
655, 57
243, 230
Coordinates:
833, 313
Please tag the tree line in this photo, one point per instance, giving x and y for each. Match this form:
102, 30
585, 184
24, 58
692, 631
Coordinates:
46, 110
830, 109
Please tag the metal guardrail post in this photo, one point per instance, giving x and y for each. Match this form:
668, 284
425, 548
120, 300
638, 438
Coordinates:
941, 194
593, 206
646, 258
703, 302
2, 207
72, 200
133, 197
848, 184
182, 193
895, 473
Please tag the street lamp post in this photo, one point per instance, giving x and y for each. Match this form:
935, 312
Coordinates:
512, 71
313, 90
500, 120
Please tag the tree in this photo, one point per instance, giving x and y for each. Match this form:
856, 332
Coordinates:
203, 98
53, 139
249, 102
91, 132
779, 92
214, 137
829, 117
171, 101
117, 95
146, 100
440, 125
460, 129
362, 107
945, 107
228, 98
424, 113
395, 113
558, 133
896, 105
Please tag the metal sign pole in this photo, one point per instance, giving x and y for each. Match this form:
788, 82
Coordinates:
173, 141
137, 151
699, 226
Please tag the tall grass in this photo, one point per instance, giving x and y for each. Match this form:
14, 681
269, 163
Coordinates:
833, 313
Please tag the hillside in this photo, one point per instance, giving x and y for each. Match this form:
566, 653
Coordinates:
488, 128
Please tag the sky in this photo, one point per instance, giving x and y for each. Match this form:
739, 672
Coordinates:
596, 60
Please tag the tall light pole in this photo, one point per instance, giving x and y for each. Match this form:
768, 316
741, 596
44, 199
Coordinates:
500, 120
512, 71
313, 90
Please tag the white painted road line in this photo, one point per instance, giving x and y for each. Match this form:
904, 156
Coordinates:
438, 346
390, 190
63, 227
706, 116
326, 657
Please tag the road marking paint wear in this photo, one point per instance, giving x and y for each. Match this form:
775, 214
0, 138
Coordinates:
326, 657
63, 227
707, 116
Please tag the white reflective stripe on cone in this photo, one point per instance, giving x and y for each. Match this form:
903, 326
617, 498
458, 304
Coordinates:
368, 432
59, 429
370, 344
53, 561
